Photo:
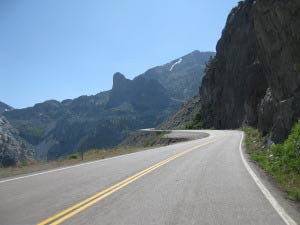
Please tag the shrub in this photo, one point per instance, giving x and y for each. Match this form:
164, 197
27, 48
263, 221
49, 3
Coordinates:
73, 156
282, 161
196, 122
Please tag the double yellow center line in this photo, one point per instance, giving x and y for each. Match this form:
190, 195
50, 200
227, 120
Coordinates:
81, 206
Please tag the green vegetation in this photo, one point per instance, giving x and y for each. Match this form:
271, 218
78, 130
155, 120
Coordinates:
254, 139
32, 134
195, 123
154, 139
282, 161
73, 156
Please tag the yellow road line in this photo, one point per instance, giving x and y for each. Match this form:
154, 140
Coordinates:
91, 198
79, 207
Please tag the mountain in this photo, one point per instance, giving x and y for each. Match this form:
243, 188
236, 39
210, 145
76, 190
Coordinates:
140, 93
12, 147
254, 78
181, 77
60, 128
4, 107
56, 129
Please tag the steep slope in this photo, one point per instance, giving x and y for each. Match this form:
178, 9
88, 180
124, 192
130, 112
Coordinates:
4, 107
254, 78
181, 77
12, 147
57, 128
140, 93
60, 128
185, 114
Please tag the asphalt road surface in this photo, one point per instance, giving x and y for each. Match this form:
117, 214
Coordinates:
205, 181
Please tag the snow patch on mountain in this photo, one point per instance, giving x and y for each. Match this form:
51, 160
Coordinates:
177, 62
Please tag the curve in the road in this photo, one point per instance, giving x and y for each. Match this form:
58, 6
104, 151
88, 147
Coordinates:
81, 206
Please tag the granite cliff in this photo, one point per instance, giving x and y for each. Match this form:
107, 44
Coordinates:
254, 78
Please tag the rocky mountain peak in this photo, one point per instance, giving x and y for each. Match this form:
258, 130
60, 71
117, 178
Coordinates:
141, 93
119, 76
119, 79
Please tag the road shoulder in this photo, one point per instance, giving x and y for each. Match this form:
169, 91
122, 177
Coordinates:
292, 208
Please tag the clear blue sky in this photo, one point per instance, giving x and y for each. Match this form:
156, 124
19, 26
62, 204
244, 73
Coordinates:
59, 49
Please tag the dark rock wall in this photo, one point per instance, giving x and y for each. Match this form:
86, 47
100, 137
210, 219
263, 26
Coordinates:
234, 83
277, 27
254, 78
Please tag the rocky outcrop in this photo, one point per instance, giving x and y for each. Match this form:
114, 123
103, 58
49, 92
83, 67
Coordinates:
141, 93
277, 27
5, 108
56, 128
13, 148
255, 77
185, 114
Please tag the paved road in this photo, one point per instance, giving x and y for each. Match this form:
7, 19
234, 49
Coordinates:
198, 182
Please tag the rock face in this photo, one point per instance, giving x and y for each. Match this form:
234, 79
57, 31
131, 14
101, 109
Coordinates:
255, 77
57, 128
185, 114
141, 93
5, 108
12, 147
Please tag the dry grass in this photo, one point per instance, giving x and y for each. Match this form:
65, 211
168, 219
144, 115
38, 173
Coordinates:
95, 154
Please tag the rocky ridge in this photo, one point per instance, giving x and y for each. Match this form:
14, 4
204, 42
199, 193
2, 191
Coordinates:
183, 76
56, 129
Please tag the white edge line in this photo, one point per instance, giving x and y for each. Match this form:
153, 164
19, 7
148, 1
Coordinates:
282, 213
74, 166
67, 167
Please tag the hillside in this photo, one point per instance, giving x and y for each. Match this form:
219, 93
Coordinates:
57, 128
13, 148
254, 78
181, 77
4, 107
102, 121
185, 114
